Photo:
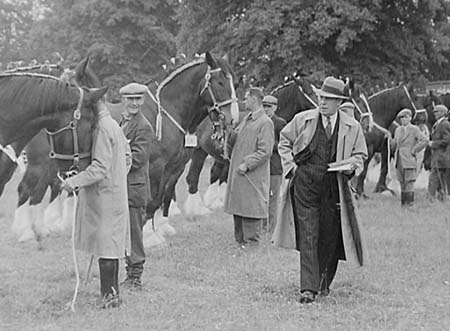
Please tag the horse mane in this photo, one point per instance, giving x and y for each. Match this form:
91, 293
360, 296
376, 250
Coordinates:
276, 89
21, 88
385, 91
176, 72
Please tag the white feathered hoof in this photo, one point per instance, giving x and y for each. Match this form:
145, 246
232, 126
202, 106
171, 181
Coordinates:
163, 227
53, 214
211, 195
194, 206
27, 235
40, 227
22, 225
66, 221
151, 238
174, 209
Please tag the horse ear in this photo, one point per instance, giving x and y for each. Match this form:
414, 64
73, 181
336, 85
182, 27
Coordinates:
81, 67
210, 60
96, 94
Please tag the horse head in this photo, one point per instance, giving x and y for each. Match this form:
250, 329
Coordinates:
71, 134
218, 93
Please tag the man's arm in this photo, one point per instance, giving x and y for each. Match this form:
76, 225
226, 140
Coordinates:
264, 147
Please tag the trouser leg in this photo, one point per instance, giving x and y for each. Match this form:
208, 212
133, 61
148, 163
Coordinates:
136, 258
109, 276
275, 182
433, 182
251, 228
238, 231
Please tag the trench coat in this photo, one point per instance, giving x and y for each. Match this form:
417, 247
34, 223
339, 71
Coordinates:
440, 144
247, 195
408, 142
102, 225
351, 146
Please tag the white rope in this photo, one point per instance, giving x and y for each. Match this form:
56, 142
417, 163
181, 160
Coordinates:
74, 254
10, 152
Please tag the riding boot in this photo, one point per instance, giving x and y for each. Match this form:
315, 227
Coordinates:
410, 200
403, 198
109, 288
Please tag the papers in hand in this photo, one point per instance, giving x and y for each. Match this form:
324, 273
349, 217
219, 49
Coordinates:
344, 165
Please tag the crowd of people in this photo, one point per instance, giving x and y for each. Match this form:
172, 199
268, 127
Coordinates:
291, 180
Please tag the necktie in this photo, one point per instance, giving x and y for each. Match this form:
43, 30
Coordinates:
328, 128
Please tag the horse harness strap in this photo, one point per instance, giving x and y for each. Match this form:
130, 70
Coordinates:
72, 126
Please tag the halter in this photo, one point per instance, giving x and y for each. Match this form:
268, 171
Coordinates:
216, 106
72, 126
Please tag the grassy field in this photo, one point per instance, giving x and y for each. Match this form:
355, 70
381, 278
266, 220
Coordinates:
204, 281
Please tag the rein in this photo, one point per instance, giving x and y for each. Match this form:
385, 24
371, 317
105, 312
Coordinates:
72, 126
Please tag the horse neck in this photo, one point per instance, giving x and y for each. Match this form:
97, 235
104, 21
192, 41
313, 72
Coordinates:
181, 98
290, 106
385, 107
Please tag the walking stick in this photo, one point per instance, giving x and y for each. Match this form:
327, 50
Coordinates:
88, 273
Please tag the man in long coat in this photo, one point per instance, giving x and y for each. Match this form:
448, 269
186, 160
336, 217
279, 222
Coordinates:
408, 142
102, 220
247, 194
139, 134
440, 154
270, 104
325, 223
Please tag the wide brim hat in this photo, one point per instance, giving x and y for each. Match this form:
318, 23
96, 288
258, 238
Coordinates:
404, 112
332, 88
133, 90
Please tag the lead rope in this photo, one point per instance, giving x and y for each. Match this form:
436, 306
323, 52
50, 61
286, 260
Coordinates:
74, 255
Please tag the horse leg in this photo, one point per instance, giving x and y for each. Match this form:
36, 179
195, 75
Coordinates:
194, 204
381, 184
38, 205
197, 161
7, 168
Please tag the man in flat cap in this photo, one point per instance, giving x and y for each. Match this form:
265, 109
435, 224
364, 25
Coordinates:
408, 142
270, 105
321, 203
440, 157
139, 134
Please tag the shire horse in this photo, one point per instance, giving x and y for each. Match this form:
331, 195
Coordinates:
32, 102
384, 106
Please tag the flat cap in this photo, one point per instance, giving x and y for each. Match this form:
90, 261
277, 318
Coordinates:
270, 100
133, 90
440, 108
404, 112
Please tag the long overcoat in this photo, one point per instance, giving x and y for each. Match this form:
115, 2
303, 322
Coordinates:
247, 195
351, 146
440, 144
408, 142
102, 216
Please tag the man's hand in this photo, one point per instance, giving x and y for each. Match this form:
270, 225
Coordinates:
68, 186
242, 169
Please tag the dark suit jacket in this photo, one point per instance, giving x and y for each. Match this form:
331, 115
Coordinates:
275, 160
140, 135
440, 145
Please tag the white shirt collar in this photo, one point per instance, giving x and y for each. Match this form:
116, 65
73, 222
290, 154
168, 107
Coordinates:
333, 119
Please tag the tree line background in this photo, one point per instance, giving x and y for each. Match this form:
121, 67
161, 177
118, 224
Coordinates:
377, 42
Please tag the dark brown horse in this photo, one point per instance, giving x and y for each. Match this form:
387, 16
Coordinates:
384, 106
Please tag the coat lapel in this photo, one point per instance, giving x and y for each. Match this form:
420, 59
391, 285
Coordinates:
344, 126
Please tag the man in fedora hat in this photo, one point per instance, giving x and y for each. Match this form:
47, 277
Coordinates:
440, 156
321, 203
408, 142
139, 134
270, 104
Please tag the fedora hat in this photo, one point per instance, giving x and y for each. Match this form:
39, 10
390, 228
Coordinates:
331, 88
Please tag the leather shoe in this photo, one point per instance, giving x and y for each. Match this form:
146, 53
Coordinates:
307, 297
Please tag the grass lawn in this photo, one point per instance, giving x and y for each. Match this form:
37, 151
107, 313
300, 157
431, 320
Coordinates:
204, 281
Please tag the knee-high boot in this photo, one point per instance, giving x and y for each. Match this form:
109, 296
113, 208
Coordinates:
403, 198
109, 282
